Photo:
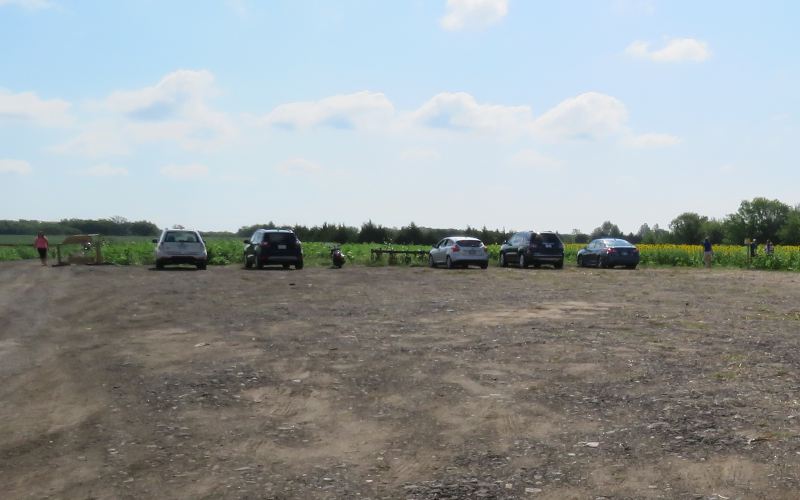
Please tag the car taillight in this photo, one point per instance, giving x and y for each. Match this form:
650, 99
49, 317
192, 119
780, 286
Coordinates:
611, 250
265, 244
635, 250
456, 248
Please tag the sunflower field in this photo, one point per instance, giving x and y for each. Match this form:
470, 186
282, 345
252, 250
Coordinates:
224, 251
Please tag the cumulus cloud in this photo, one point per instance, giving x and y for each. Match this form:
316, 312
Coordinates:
29, 107
675, 50
473, 14
299, 166
185, 172
460, 111
588, 116
8, 166
533, 159
361, 110
104, 170
174, 110
647, 141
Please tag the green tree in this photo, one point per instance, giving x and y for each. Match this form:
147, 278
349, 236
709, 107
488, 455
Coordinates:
606, 229
688, 228
714, 230
760, 218
789, 233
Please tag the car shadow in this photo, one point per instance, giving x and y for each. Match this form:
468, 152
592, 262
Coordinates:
268, 269
173, 269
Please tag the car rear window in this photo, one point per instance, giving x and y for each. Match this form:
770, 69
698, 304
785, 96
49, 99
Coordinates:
549, 238
279, 238
180, 237
469, 243
618, 243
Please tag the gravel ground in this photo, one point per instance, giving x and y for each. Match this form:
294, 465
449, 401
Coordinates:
395, 382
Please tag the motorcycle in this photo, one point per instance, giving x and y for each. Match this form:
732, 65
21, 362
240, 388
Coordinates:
337, 257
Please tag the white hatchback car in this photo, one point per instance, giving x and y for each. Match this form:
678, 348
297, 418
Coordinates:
180, 246
459, 251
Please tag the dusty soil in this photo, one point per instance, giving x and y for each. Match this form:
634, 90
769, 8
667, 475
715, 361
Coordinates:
124, 382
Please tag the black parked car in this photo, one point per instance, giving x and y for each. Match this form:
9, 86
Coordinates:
609, 252
273, 247
532, 248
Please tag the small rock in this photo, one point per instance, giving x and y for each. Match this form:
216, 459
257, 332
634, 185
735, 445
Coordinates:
533, 490
202, 344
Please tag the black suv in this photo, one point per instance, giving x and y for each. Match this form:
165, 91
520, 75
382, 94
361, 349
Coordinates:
278, 247
532, 248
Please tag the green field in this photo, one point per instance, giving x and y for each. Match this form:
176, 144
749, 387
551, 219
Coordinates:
223, 251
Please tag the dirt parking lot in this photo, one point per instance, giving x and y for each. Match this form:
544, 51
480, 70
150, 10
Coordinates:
124, 382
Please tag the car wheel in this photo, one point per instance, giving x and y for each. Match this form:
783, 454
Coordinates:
559, 264
431, 262
159, 265
633, 266
522, 263
536, 265
449, 263
503, 262
287, 266
202, 266
258, 263
248, 262
484, 265
602, 262
580, 260
299, 264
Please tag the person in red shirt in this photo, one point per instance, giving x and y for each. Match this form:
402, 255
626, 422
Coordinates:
42, 245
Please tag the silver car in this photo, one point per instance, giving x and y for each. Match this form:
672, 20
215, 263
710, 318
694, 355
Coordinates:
180, 246
460, 251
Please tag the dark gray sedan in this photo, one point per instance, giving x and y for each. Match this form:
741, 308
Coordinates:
609, 252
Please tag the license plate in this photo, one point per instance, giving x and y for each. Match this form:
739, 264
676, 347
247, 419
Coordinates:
548, 245
472, 252
624, 252
281, 247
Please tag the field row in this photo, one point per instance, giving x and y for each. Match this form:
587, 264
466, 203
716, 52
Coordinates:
229, 251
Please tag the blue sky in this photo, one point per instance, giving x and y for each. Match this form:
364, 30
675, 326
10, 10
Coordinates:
504, 113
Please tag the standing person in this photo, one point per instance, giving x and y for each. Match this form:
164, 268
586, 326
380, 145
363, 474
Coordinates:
708, 253
769, 248
753, 248
41, 244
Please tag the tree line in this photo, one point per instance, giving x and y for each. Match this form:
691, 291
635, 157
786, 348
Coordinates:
114, 226
759, 218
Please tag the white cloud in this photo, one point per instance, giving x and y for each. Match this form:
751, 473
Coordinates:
361, 110
28, 107
533, 159
473, 14
28, 4
588, 116
185, 172
175, 110
647, 141
460, 111
104, 170
8, 166
299, 166
675, 50
171, 96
